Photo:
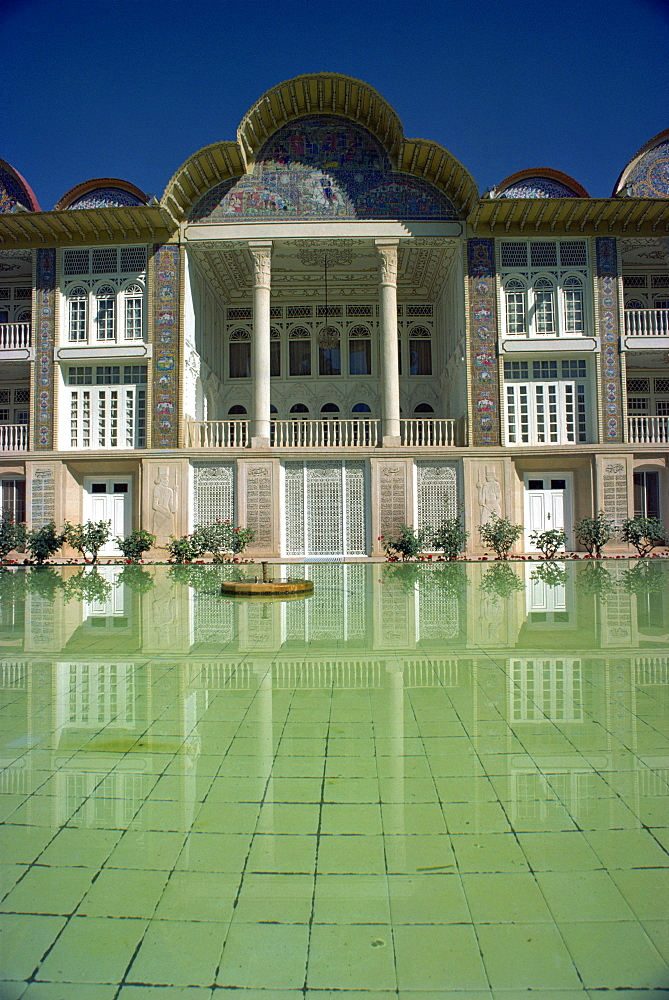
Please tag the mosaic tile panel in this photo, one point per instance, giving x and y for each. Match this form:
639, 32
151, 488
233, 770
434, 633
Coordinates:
166, 306
483, 327
650, 177
538, 187
109, 197
44, 348
11, 192
607, 299
323, 167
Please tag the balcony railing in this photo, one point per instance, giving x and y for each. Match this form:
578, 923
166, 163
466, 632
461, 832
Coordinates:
217, 433
648, 430
431, 433
14, 336
325, 433
13, 437
647, 322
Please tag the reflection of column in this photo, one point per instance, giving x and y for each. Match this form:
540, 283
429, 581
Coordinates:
390, 373
266, 752
396, 771
260, 351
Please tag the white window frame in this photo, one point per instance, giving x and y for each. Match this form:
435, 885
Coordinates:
546, 411
103, 411
104, 308
556, 297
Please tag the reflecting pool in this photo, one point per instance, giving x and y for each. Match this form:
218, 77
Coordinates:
426, 781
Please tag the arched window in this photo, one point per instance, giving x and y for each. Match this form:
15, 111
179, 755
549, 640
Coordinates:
329, 411
423, 408
573, 305
361, 408
359, 351
240, 354
105, 312
420, 351
133, 297
299, 412
237, 411
78, 314
274, 352
515, 307
544, 307
299, 351
329, 352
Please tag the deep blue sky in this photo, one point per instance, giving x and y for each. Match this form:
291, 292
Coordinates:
131, 88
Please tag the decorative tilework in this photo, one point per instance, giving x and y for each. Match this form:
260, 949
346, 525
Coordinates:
108, 197
538, 187
44, 348
11, 193
483, 325
607, 297
323, 167
166, 304
650, 177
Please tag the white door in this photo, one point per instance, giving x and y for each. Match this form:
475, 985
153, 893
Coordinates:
547, 506
109, 500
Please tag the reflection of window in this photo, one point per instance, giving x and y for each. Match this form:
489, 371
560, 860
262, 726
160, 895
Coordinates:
240, 354
420, 351
329, 353
359, 351
299, 347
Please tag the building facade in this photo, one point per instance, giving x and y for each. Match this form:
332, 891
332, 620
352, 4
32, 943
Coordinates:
323, 332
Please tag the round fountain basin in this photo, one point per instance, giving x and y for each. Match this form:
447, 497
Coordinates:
267, 588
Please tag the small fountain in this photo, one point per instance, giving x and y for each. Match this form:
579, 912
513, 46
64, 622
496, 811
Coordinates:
267, 588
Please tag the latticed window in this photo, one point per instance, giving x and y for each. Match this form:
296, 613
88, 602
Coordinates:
339, 488
213, 493
78, 314
240, 354
329, 351
359, 351
299, 347
573, 306
420, 351
437, 493
544, 306
515, 307
133, 296
275, 352
105, 313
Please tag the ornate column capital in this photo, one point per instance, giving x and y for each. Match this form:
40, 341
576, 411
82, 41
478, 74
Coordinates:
261, 253
387, 251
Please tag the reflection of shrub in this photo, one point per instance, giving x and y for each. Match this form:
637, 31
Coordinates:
644, 533
136, 578
408, 544
549, 542
87, 585
499, 534
12, 534
551, 573
134, 545
595, 580
450, 537
594, 532
205, 579
645, 578
88, 537
44, 581
43, 542
500, 581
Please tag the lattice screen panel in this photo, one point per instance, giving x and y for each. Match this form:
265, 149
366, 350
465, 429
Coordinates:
437, 493
325, 509
354, 477
294, 508
439, 613
213, 493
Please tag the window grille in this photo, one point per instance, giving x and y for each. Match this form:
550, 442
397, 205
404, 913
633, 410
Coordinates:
543, 254
133, 312
239, 313
274, 333
5, 395
661, 384
23, 294
106, 313
213, 493
133, 259
419, 309
338, 487
514, 255
544, 307
294, 502
437, 493
78, 375
516, 369
634, 281
573, 253
299, 333
573, 306
75, 262
276, 312
22, 395
5, 294
638, 385
326, 311
78, 314
515, 306
298, 312
659, 281
358, 310
103, 261
544, 369
638, 404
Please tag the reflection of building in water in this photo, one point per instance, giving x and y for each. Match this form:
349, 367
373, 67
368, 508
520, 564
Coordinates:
545, 690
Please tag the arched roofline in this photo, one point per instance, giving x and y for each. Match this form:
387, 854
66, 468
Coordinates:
94, 184
22, 182
619, 186
319, 94
549, 173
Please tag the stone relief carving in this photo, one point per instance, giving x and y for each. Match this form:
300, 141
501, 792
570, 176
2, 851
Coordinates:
163, 504
387, 265
489, 495
262, 266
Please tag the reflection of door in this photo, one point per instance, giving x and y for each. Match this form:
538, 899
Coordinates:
547, 506
109, 500
325, 509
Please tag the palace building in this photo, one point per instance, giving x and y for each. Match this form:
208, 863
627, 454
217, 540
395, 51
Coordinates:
322, 331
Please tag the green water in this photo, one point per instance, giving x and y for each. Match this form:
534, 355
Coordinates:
426, 781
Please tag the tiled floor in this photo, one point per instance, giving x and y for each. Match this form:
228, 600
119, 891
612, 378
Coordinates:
405, 828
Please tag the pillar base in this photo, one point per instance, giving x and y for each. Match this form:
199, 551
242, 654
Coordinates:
391, 441
260, 442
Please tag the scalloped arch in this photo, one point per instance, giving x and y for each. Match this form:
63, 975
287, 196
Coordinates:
320, 95
647, 173
539, 182
102, 192
15, 190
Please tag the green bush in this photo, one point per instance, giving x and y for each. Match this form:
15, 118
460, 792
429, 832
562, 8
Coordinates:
450, 537
548, 542
644, 533
183, 550
222, 538
134, 545
409, 543
594, 533
43, 542
499, 534
12, 534
88, 537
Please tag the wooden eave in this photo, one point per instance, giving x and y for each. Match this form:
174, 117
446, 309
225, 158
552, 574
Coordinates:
203, 170
590, 216
422, 158
86, 226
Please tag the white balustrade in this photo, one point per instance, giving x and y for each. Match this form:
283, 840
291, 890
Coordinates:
325, 433
14, 336
429, 433
13, 437
217, 433
647, 322
648, 430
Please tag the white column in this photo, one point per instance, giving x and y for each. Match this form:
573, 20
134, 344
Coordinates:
390, 373
260, 345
